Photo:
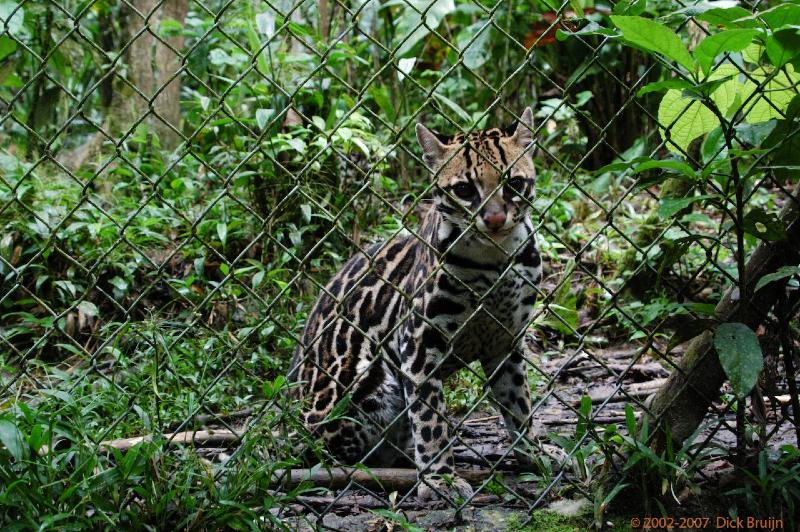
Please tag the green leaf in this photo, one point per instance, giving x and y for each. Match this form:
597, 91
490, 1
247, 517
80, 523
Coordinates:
774, 99
88, 308
784, 14
783, 46
222, 232
684, 120
297, 144
732, 17
258, 278
12, 438
661, 85
475, 52
305, 210
611, 495
381, 96
740, 355
782, 273
169, 28
650, 35
755, 134
7, 46
11, 23
265, 22
707, 87
405, 66
753, 52
454, 106
577, 6
642, 164
730, 93
630, 7
671, 206
592, 28
678, 167
271, 388
726, 41
410, 28
630, 419
766, 226
339, 409
263, 116
319, 123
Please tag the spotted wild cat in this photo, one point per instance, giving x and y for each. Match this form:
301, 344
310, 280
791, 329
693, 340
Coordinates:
401, 316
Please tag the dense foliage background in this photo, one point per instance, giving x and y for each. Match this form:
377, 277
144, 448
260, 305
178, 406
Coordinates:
177, 180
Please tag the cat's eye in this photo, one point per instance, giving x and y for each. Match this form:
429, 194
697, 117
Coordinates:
464, 190
516, 183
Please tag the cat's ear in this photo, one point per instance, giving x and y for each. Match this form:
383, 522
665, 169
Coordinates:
433, 150
524, 132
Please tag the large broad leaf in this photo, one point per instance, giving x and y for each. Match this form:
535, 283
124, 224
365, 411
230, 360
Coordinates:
411, 28
764, 225
671, 206
650, 35
13, 22
774, 99
682, 120
7, 46
781, 15
733, 92
731, 17
474, 52
12, 438
726, 41
782, 273
783, 46
740, 355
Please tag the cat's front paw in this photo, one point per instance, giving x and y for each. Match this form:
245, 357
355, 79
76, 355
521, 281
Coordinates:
435, 487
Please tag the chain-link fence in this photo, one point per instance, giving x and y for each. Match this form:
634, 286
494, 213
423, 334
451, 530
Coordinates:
180, 181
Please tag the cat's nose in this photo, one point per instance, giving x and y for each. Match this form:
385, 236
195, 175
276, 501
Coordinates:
494, 220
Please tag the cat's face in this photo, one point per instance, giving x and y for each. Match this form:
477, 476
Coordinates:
488, 183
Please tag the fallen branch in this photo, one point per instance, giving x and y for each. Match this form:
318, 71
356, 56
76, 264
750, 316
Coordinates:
202, 420
608, 420
197, 437
377, 478
636, 390
350, 500
479, 420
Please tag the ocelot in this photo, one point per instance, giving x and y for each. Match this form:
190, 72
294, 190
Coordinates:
402, 315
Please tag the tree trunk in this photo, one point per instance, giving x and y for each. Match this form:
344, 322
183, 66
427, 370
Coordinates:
155, 64
151, 66
168, 63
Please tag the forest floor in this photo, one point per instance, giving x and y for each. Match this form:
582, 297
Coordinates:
562, 498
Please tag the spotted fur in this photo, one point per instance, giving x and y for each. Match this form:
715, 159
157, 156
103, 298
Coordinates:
401, 316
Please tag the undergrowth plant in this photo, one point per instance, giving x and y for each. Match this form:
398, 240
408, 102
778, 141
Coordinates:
149, 286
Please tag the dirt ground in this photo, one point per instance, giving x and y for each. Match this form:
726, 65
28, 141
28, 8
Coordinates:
507, 497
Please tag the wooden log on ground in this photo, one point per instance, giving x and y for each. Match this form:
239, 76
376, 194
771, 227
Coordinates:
203, 438
377, 478
349, 500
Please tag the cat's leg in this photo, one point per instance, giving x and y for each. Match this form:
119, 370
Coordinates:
433, 453
508, 380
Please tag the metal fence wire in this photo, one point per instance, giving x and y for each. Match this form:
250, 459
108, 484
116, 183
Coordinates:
179, 180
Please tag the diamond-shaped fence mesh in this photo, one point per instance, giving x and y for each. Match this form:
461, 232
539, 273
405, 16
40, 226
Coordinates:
186, 341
